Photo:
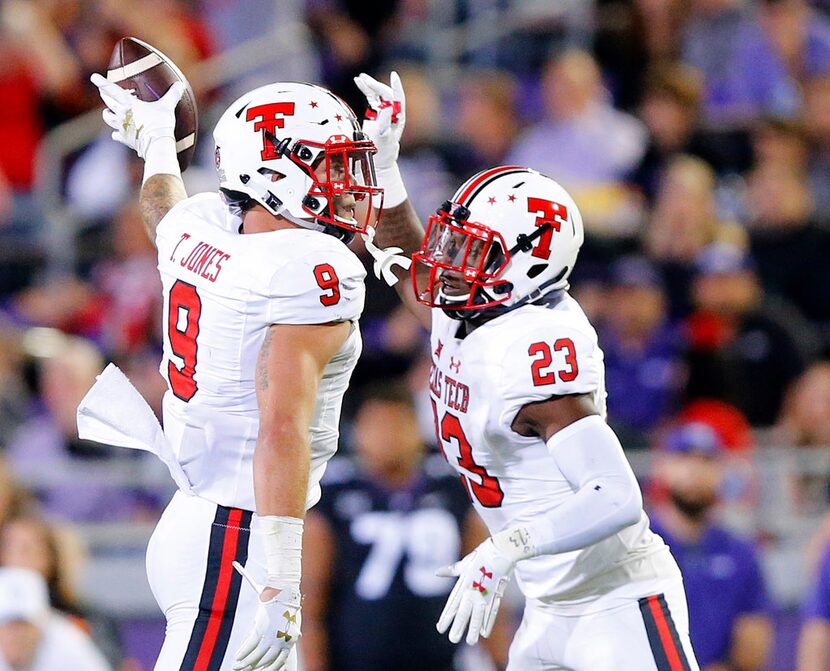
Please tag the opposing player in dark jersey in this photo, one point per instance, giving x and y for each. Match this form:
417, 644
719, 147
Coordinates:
388, 519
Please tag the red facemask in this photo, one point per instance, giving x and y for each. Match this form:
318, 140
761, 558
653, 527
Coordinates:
458, 253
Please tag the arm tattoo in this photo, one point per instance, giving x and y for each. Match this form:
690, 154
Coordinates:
158, 195
400, 227
262, 361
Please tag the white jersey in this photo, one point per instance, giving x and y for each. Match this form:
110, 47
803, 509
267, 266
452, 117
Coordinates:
478, 384
221, 292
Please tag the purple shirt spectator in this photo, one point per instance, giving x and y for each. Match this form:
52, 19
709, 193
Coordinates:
643, 384
582, 141
723, 581
643, 351
744, 75
600, 146
817, 46
66, 484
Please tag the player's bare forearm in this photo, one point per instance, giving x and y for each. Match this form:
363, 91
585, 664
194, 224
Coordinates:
158, 196
400, 227
281, 465
282, 456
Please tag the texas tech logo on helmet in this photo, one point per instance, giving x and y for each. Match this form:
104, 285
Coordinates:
324, 179
510, 234
267, 119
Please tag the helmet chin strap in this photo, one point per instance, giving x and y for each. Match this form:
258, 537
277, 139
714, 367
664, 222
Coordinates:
311, 224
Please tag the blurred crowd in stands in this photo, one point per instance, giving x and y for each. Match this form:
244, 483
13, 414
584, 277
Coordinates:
693, 134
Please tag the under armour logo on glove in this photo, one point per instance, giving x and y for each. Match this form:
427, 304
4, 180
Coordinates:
289, 620
475, 609
480, 585
269, 644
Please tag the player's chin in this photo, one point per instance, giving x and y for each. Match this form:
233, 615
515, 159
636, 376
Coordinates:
453, 289
347, 212
452, 301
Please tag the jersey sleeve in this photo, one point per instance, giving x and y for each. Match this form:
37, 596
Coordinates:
317, 288
545, 361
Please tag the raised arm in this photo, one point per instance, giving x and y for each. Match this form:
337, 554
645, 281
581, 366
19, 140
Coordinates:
148, 129
400, 227
158, 196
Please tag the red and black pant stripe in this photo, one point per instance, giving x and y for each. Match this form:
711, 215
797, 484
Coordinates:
229, 536
662, 634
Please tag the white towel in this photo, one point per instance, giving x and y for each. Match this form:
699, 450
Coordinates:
113, 412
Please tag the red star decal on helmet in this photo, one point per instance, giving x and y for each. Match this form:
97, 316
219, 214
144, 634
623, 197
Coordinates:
491, 200
511, 198
313, 104
338, 117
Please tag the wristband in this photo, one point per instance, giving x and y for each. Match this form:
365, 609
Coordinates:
283, 541
516, 543
161, 158
394, 191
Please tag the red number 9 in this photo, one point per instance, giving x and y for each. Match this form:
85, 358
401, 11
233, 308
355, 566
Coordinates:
327, 279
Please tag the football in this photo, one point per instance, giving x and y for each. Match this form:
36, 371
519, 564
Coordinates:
144, 69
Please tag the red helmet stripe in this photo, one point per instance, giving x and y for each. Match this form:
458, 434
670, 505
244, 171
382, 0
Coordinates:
483, 177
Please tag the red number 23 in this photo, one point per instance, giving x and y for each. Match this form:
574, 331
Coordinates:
544, 358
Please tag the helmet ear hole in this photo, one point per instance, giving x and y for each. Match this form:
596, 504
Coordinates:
535, 271
273, 175
503, 288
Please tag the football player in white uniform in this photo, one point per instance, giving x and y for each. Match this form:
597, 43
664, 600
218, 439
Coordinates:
517, 388
261, 302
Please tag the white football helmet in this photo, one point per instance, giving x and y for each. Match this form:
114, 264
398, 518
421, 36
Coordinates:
510, 234
297, 150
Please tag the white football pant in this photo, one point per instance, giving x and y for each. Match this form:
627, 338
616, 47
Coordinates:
642, 625
209, 608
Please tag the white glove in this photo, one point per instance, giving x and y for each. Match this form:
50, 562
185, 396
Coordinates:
385, 258
136, 123
482, 578
384, 125
276, 629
